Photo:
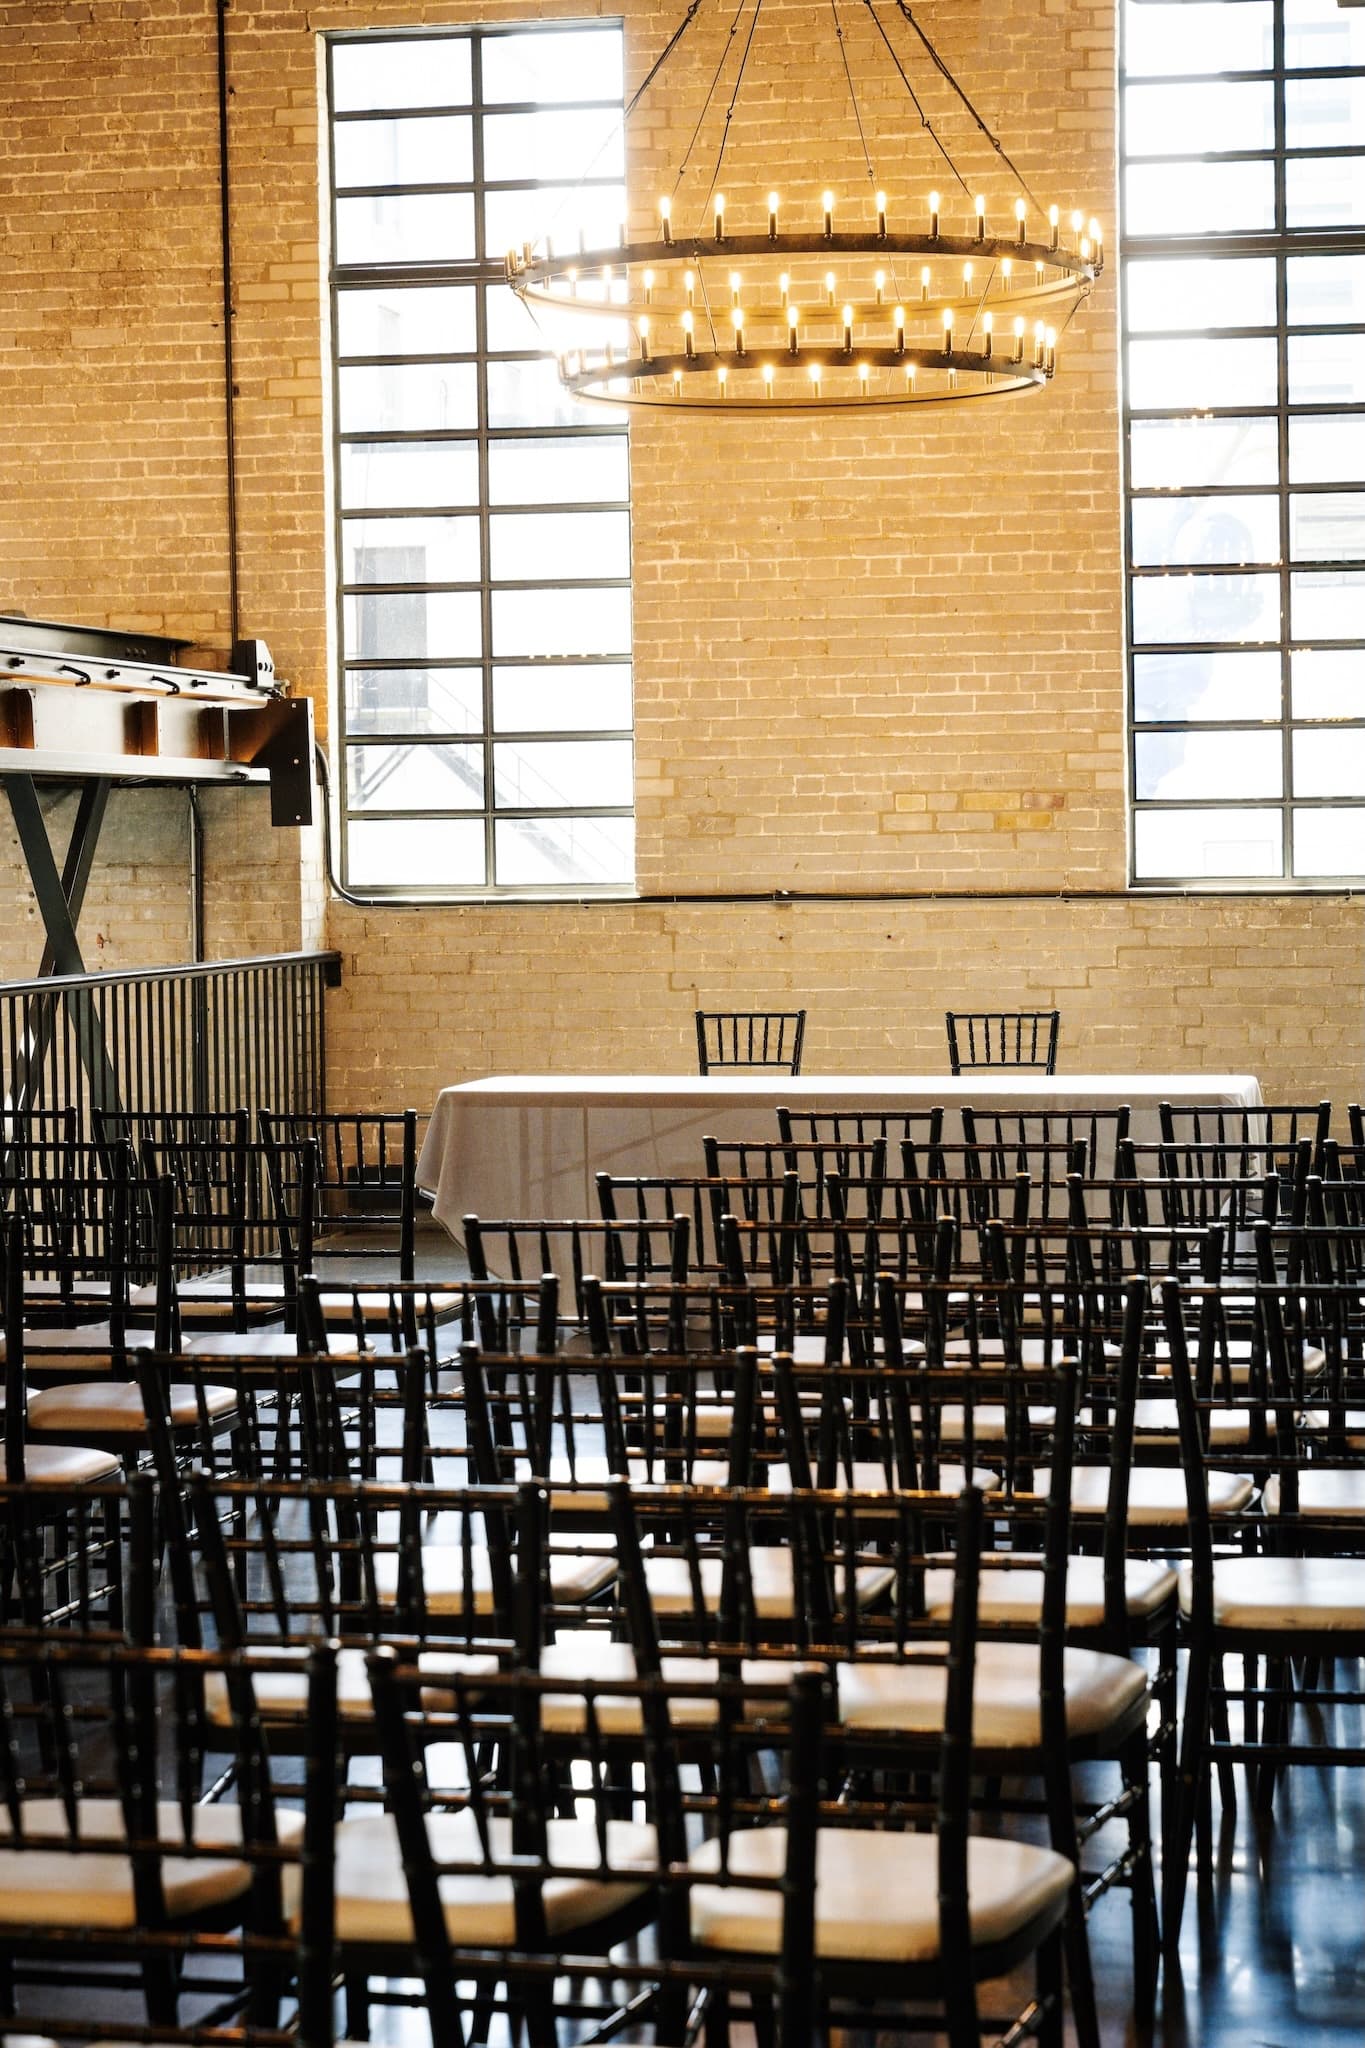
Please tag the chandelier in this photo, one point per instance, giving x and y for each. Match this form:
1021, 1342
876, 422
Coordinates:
877, 289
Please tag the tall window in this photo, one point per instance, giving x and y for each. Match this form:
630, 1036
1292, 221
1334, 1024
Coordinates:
1243, 151
482, 517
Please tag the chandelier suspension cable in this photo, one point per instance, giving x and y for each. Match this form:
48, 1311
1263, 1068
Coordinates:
915, 101
994, 140
852, 95
681, 171
734, 100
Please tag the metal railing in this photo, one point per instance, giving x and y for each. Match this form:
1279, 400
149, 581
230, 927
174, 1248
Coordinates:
234, 1033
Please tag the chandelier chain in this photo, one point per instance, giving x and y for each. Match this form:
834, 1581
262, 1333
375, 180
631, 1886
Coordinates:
734, 98
994, 140
904, 77
852, 95
710, 95
659, 62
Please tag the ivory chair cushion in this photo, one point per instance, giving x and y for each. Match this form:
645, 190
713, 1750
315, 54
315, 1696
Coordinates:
595, 1658
573, 1577
372, 1891
1284, 1595
281, 1697
574, 1492
1101, 1692
1156, 1493
83, 1347
869, 1476
876, 1894
115, 1408
65, 1465
1323, 1491
1014, 1599
58, 1888
669, 1582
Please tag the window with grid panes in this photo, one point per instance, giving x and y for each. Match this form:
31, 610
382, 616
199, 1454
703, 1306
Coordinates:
1242, 132
482, 516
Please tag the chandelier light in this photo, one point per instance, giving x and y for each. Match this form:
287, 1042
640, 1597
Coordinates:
876, 288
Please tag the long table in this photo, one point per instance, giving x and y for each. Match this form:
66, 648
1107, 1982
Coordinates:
528, 1145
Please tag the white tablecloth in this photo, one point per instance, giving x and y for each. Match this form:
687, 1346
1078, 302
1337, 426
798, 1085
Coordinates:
528, 1145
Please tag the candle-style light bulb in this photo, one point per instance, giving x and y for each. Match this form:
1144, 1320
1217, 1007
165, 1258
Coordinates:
792, 318
1039, 332
864, 380
980, 216
767, 380
880, 203
737, 318
1053, 217
1006, 274
666, 218
723, 379
649, 287
848, 330
784, 285
815, 374
1085, 248
735, 282
924, 283
827, 201
772, 216
1018, 355
572, 275
677, 383
720, 216
1077, 226
947, 330
1020, 212
966, 277
987, 334
933, 215
829, 286
1097, 237
879, 285
898, 322
689, 336
1050, 345
643, 328
910, 370
689, 286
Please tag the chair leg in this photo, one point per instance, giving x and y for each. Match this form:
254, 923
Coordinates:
1193, 1757
1049, 1978
1146, 1931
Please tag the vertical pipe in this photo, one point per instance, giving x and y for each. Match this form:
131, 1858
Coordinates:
229, 364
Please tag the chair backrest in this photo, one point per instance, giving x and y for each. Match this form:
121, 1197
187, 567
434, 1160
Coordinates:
750, 1038
1003, 1038
341, 1181
1275, 1129
105, 1756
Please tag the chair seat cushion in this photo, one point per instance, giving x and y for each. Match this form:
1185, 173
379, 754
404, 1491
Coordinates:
588, 1655
876, 1895
372, 1891
1156, 1493
1323, 1491
869, 1476
282, 1698
574, 1577
1284, 1595
1159, 1421
83, 1347
1014, 1599
669, 1582
65, 1465
1101, 1692
114, 1408
57, 1888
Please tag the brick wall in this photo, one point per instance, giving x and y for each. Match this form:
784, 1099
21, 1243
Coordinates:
870, 656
